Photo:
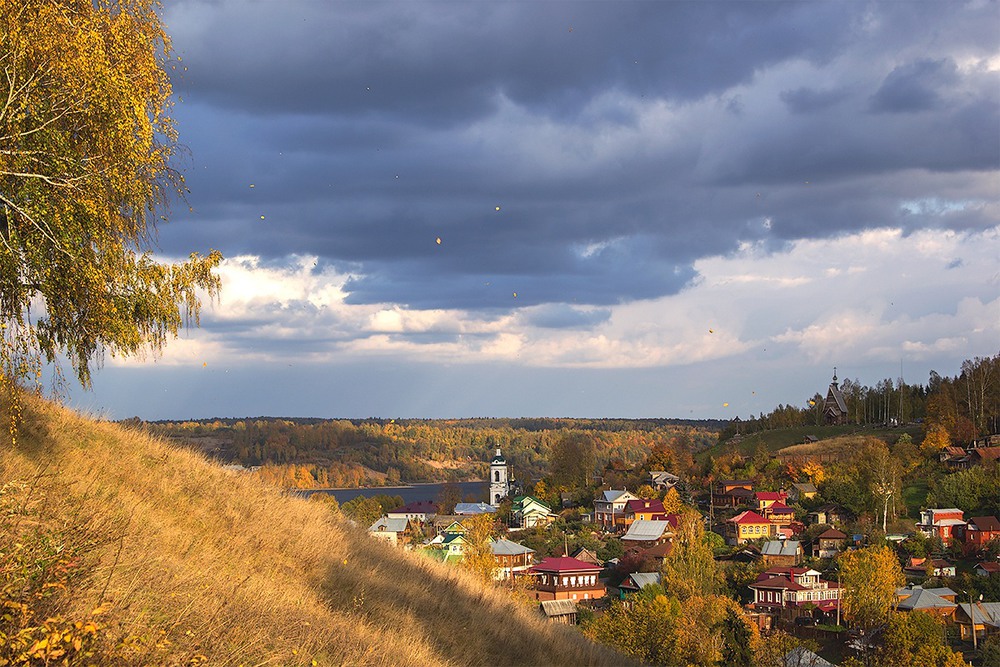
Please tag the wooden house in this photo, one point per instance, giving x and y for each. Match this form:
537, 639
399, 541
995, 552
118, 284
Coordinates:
636, 581
641, 508
528, 512
781, 552
609, 509
559, 611
512, 558
747, 526
732, 493
565, 578
984, 616
829, 543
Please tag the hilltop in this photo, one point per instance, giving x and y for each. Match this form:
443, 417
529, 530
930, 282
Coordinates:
120, 546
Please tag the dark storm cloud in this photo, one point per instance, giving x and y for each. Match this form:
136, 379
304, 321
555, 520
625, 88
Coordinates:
364, 132
810, 100
914, 87
443, 61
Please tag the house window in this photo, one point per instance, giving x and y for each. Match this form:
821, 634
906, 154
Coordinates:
574, 596
496, 475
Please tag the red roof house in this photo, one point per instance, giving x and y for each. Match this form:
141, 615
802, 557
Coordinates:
765, 499
747, 526
789, 592
979, 531
942, 523
640, 508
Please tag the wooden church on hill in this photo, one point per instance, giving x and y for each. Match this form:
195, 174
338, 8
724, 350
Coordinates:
835, 407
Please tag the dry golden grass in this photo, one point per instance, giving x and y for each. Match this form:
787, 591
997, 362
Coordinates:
843, 446
197, 565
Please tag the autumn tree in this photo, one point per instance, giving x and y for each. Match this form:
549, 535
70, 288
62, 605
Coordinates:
916, 639
869, 578
86, 141
477, 555
643, 629
672, 502
690, 569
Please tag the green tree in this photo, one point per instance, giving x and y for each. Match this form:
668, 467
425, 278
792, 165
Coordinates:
363, 511
740, 639
85, 174
572, 459
690, 568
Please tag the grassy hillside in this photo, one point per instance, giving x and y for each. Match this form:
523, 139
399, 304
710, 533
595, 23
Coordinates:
780, 438
136, 552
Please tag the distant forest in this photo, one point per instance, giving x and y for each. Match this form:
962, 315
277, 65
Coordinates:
317, 453
957, 409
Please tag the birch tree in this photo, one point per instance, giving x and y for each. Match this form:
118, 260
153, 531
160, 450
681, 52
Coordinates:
86, 140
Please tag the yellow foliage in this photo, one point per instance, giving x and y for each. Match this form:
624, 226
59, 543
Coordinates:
814, 471
869, 578
672, 502
84, 175
937, 438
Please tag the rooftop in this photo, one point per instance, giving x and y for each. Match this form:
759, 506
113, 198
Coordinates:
565, 564
748, 517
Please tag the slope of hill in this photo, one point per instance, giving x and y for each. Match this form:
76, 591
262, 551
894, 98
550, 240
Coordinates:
135, 552
777, 439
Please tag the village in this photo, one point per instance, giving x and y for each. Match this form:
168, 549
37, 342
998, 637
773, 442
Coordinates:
780, 551
795, 590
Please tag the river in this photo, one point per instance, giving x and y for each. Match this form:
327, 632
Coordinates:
410, 493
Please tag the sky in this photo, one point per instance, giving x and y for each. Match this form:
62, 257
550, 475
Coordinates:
591, 209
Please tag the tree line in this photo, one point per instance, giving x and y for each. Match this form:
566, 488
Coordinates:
317, 453
957, 409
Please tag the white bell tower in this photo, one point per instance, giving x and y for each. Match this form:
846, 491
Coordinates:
499, 479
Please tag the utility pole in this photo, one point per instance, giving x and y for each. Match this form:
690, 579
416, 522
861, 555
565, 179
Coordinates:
972, 615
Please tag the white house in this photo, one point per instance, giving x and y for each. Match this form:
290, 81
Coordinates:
609, 508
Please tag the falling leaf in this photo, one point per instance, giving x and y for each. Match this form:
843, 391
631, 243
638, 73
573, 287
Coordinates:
515, 295
712, 331
251, 185
438, 240
498, 208
204, 364
261, 217
725, 405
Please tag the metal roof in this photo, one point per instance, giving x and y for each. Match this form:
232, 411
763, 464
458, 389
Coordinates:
643, 579
646, 530
781, 548
923, 598
387, 525
504, 547
558, 607
474, 508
